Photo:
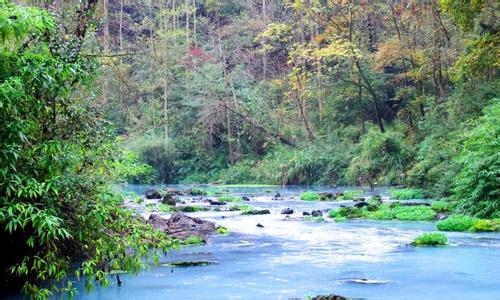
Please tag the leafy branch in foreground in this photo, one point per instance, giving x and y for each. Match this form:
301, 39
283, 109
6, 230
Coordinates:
57, 157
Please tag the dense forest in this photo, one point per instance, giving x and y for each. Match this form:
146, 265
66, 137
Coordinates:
285, 92
306, 92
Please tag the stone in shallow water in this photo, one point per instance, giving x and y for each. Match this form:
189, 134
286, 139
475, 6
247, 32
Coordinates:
181, 227
329, 297
287, 211
260, 225
256, 212
184, 264
366, 281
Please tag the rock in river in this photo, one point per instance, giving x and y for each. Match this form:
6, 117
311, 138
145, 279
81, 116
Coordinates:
287, 211
245, 198
316, 213
256, 212
169, 199
152, 194
181, 227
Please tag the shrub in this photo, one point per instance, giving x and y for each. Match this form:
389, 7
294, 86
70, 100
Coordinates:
222, 230
431, 239
309, 196
406, 194
402, 213
456, 223
192, 240
347, 213
476, 187
485, 225
230, 198
380, 158
349, 195
441, 206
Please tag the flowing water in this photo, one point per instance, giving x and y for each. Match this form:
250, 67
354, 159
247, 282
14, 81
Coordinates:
290, 258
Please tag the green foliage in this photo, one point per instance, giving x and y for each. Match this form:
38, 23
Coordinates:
380, 158
222, 230
193, 241
349, 195
57, 157
431, 239
347, 213
309, 196
230, 198
485, 225
403, 213
407, 194
193, 208
456, 223
441, 206
476, 187
165, 208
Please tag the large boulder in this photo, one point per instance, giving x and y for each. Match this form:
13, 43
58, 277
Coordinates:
153, 194
181, 227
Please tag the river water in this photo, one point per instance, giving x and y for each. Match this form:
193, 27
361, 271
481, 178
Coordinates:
291, 258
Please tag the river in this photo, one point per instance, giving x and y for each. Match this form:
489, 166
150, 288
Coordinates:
290, 258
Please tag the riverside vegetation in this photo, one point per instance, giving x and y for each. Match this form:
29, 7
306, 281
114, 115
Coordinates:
278, 92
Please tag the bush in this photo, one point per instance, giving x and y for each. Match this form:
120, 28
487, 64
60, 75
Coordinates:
485, 225
456, 223
349, 195
431, 239
441, 206
230, 198
222, 230
309, 196
407, 194
476, 187
380, 158
347, 213
402, 213
192, 241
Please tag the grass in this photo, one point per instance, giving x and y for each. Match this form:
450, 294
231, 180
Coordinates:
230, 198
349, 195
314, 219
441, 206
242, 207
431, 239
165, 208
407, 194
466, 223
198, 192
402, 213
193, 208
256, 212
309, 196
192, 240
222, 230
456, 223
384, 212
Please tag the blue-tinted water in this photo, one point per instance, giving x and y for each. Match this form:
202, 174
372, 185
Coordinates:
292, 258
